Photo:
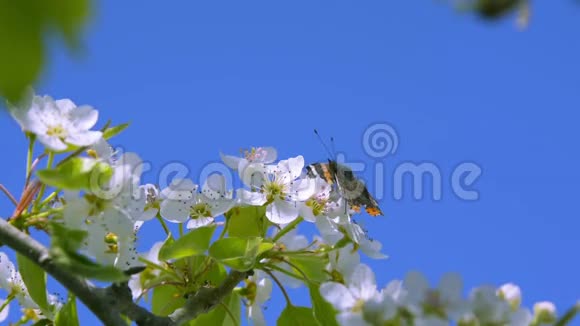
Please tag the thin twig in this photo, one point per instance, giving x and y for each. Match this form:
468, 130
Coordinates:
280, 286
33, 166
9, 195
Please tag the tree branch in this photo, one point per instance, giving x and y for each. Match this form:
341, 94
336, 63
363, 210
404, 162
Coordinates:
119, 296
207, 298
97, 301
108, 304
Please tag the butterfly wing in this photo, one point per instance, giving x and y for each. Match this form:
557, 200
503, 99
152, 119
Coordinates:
321, 170
354, 190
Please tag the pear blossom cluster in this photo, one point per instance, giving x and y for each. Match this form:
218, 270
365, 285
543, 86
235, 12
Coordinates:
11, 282
112, 211
282, 187
413, 301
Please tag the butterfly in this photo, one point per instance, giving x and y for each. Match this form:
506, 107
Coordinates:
344, 181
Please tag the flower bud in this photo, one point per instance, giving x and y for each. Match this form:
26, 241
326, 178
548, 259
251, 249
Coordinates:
544, 312
512, 294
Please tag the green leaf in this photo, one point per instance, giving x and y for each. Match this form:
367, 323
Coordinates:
323, 310
34, 278
67, 315
195, 242
43, 322
22, 46
246, 222
265, 246
84, 267
219, 315
113, 131
201, 269
297, 316
68, 16
237, 253
166, 298
78, 173
314, 267
67, 239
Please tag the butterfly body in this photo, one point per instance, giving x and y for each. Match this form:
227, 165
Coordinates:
343, 180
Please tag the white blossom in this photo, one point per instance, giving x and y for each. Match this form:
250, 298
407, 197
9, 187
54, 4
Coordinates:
11, 281
136, 281
264, 155
511, 293
291, 241
258, 290
350, 298
111, 214
446, 299
57, 123
181, 201
278, 186
343, 262
545, 312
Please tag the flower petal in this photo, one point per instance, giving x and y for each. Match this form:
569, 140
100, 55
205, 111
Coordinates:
84, 117
362, 283
302, 189
220, 206
281, 212
450, 287
264, 290
84, 138
195, 223
416, 285
214, 187
372, 248
7, 271
338, 295
179, 189
328, 230
256, 315
119, 222
351, 319
75, 213
253, 174
52, 143
270, 154
127, 256
5, 311
175, 211
65, 106
306, 212
251, 197
231, 161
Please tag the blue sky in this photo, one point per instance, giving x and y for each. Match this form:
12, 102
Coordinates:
195, 78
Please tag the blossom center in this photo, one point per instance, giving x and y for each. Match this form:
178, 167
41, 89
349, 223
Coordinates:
200, 210
254, 154
112, 242
250, 291
318, 206
56, 131
274, 191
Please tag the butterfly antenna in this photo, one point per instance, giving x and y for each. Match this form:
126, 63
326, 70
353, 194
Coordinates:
332, 147
328, 151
